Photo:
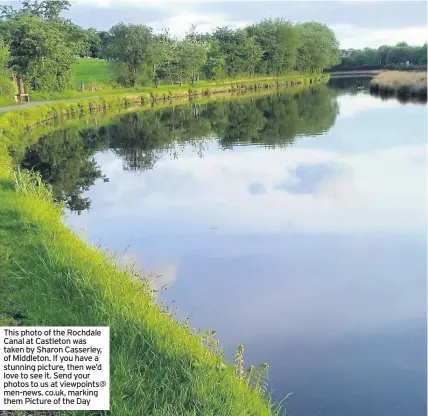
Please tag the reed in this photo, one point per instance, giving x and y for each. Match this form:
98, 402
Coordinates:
400, 83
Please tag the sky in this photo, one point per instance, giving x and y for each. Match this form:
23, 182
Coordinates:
357, 24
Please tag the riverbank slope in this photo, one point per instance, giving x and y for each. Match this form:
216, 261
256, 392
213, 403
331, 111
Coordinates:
50, 277
224, 85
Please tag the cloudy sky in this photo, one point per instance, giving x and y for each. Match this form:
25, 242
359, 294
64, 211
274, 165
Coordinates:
356, 23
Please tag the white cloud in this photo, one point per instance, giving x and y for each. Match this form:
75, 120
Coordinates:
181, 17
358, 197
181, 22
354, 37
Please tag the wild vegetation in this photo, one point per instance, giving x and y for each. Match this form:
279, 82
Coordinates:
48, 276
401, 56
43, 48
400, 83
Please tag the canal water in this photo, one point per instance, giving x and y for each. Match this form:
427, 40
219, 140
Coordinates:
293, 223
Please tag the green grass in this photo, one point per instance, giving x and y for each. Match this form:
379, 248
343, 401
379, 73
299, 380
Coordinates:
50, 277
201, 87
88, 70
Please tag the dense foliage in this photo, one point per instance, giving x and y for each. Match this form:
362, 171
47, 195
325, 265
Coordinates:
6, 86
42, 46
270, 47
400, 56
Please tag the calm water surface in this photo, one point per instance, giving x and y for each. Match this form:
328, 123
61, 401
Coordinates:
294, 224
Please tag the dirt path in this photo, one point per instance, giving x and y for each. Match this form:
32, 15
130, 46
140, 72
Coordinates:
36, 103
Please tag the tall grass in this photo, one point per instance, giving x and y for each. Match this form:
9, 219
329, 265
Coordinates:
30, 184
400, 83
48, 276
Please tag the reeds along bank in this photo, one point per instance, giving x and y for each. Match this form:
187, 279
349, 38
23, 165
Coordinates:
413, 84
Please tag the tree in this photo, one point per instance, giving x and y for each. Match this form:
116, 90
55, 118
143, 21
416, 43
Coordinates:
164, 58
319, 48
215, 65
242, 53
249, 54
105, 38
7, 12
92, 43
279, 41
6, 85
42, 44
391, 57
130, 50
46, 9
40, 54
73, 34
193, 53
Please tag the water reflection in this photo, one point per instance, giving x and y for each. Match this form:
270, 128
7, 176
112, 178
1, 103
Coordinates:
300, 233
65, 158
349, 85
403, 99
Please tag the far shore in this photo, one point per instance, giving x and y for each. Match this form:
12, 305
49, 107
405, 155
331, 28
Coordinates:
400, 83
369, 72
366, 73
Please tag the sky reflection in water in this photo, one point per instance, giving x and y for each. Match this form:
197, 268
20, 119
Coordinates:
313, 257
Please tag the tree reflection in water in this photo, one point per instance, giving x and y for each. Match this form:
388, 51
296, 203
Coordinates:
65, 158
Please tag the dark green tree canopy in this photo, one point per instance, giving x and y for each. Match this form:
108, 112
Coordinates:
319, 48
40, 53
43, 45
278, 41
130, 50
400, 56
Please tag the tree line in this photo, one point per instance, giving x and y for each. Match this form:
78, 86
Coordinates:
40, 46
400, 56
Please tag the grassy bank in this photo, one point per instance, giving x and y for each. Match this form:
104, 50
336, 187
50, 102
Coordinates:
26, 130
50, 277
400, 83
102, 90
